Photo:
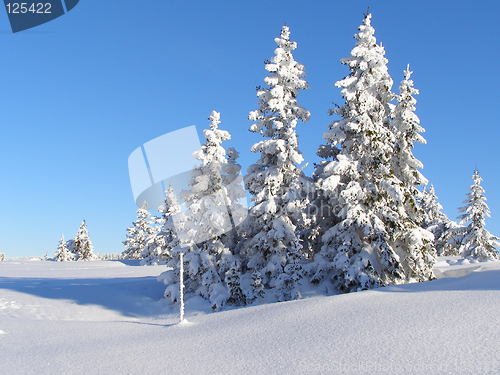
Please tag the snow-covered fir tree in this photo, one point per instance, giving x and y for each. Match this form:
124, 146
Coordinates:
63, 254
82, 245
138, 234
408, 131
436, 222
476, 242
274, 250
161, 242
417, 242
365, 196
204, 229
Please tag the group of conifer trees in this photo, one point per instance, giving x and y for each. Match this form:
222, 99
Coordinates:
76, 249
362, 220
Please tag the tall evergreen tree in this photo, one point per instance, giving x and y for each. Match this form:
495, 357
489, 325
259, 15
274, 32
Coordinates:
275, 180
205, 227
408, 130
63, 254
365, 196
476, 242
414, 240
159, 245
138, 234
82, 245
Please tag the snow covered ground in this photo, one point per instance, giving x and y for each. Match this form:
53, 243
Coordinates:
108, 318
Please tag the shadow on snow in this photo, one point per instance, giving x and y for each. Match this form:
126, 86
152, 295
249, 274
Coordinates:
453, 280
131, 296
143, 296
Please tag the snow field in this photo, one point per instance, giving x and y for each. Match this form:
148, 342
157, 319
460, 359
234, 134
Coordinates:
109, 318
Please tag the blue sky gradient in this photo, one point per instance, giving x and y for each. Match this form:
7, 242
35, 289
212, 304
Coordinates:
80, 93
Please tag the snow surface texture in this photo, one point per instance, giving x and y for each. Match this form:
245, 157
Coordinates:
108, 318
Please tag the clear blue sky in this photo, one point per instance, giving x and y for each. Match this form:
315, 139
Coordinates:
78, 94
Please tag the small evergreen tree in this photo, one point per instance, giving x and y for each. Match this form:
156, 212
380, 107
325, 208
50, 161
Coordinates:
160, 244
63, 254
436, 222
138, 235
275, 180
476, 241
82, 245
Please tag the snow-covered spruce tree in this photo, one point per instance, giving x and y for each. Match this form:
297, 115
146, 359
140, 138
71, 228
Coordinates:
364, 195
414, 240
204, 228
82, 246
436, 222
408, 130
477, 242
159, 245
63, 254
138, 234
275, 181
